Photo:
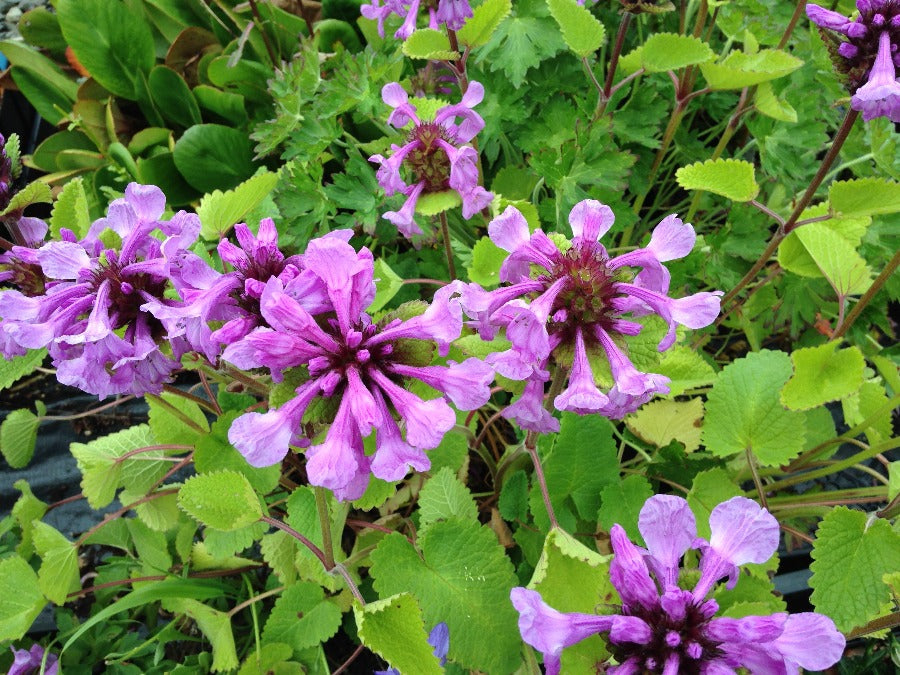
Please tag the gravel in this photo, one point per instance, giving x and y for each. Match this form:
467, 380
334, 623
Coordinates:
12, 11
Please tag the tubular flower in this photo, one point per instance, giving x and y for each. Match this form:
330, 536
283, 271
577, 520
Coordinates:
581, 300
359, 366
28, 662
20, 269
451, 13
90, 315
866, 54
435, 154
662, 628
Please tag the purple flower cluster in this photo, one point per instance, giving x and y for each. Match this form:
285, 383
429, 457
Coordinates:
435, 153
6, 168
359, 365
867, 55
580, 299
662, 628
28, 662
450, 13
83, 299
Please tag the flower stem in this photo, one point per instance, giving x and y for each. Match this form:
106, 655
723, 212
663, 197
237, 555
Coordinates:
284, 527
325, 525
448, 250
531, 446
866, 298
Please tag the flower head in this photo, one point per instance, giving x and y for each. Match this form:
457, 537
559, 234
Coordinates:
360, 367
435, 155
28, 662
451, 13
662, 628
581, 301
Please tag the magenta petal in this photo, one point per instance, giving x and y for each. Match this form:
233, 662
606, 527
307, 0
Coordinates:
581, 396
262, 438
148, 201
509, 230
467, 384
743, 531
529, 412
394, 457
629, 574
697, 310
334, 463
752, 629
668, 527
63, 259
590, 220
825, 18
394, 95
672, 239
880, 95
811, 641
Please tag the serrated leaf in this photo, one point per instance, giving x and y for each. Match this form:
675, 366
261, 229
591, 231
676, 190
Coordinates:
661, 422
301, 617
160, 513
513, 503
71, 210
21, 599
222, 544
709, 489
279, 550
433, 203
462, 578
686, 368
864, 197
622, 502
731, 178
202, 559
26, 510
739, 70
485, 18
487, 258
817, 250
224, 500
770, 105
743, 411
35, 192
863, 404
219, 211
215, 625
851, 554
667, 51
387, 284
168, 427
581, 30
18, 434
213, 453
20, 366
272, 659
393, 628
443, 497
429, 44
150, 545
822, 374
58, 575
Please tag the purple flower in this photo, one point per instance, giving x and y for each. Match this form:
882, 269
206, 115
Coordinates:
435, 155
662, 628
451, 13
439, 638
90, 314
581, 301
865, 52
29, 662
360, 365
6, 170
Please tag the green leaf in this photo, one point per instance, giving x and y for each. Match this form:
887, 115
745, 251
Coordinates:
686, 368
71, 210
851, 554
219, 211
160, 513
215, 625
487, 258
35, 192
731, 178
224, 500
817, 250
822, 374
279, 550
21, 599
301, 617
667, 51
429, 44
513, 503
863, 404
112, 41
709, 489
170, 429
661, 422
271, 659
743, 411
444, 497
21, 55
50, 102
18, 434
26, 510
213, 453
864, 197
582, 31
387, 284
212, 156
739, 70
622, 502
463, 578
59, 574
393, 629
173, 97
20, 366
150, 545
434, 203
770, 105
40, 28
485, 19
522, 41
227, 105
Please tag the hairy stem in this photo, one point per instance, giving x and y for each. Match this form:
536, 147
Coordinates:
448, 250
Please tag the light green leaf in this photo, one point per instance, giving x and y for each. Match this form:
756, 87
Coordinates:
26, 510
487, 258
513, 502
20, 366
71, 210
667, 51
224, 500
35, 192
731, 178
271, 659
661, 422
851, 554
387, 284
429, 44
816, 250
622, 502
581, 30
160, 513
168, 427
219, 211
302, 617
822, 374
393, 629
462, 578
770, 105
18, 434
59, 574
743, 411
864, 197
222, 544
213, 452
21, 599
215, 625
863, 404
150, 545
434, 203
483, 22
23, 56
739, 70
686, 368
709, 489
279, 550
443, 497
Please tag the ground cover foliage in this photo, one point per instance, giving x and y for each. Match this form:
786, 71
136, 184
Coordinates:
438, 312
